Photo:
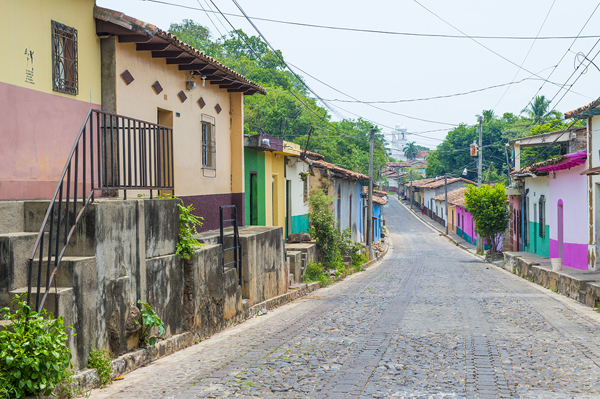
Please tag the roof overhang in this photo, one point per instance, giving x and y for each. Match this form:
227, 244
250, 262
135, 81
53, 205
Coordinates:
587, 111
161, 44
562, 136
571, 160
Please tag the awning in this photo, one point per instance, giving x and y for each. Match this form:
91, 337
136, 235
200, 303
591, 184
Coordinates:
571, 160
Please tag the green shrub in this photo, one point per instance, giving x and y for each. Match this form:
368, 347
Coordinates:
316, 272
34, 356
186, 246
323, 229
149, 319
101, 361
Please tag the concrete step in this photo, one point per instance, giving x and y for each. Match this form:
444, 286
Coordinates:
35, 211
15, 249
12, 216
65, 301
66, 269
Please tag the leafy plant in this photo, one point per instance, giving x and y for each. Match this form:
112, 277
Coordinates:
149, 319
323, 229
34, 355
487, 205
188, 223
316, 272
101, 361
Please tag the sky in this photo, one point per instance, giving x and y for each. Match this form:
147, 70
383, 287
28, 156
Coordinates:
377, 67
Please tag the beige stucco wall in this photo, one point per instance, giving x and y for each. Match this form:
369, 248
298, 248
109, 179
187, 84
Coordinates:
138, 100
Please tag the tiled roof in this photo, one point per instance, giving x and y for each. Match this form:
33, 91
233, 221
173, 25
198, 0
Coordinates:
455, 197
531, 170
397, 164
314, 155
419, 183
378, 193
151, 31
440, 182
345, 173
590, 108
422, 154
379, 200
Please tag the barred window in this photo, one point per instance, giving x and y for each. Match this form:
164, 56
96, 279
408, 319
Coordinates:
64, 59
208, 143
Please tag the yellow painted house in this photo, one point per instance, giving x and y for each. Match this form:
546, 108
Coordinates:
50, 78
268, 189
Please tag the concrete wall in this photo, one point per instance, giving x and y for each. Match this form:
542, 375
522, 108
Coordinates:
345, 206
569, 189
39, 125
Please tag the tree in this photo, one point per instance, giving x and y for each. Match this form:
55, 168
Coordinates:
538, 110
411, 150
487, 205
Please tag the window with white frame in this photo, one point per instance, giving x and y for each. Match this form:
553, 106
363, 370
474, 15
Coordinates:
208, 143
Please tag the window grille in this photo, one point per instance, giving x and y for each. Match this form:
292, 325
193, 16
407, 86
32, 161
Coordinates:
208, 143
64, 59
542, 216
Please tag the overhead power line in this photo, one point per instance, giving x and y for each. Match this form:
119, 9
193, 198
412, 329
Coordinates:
384, 32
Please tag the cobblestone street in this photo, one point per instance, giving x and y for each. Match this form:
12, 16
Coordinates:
429, 321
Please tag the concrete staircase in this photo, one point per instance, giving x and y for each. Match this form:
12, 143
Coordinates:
20, 222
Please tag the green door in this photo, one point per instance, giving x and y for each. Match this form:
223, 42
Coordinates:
253, 199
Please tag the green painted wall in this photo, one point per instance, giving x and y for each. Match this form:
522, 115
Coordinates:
300, 224
254, 161
536, 244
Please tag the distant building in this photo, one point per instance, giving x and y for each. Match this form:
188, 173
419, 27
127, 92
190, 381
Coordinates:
398, 143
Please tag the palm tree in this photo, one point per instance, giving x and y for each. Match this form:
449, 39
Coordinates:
538, 110
411, 150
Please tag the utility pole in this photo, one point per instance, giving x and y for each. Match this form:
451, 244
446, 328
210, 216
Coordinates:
446, 200
370, 195
480, 246
398, 184
480, 154
410, 192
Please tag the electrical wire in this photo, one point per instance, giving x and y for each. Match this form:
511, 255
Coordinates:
375, 31
528, 52
568, 49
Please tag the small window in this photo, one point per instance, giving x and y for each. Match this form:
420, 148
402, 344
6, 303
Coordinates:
208, 143
64, 59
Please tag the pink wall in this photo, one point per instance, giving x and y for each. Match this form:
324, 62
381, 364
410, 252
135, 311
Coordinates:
570, 187
37, 133
469, 226
515, 223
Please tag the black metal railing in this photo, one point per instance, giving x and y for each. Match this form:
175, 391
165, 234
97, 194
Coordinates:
111, 152
236, 245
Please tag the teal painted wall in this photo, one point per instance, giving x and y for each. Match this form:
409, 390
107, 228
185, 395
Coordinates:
254, 161
536, 244
300, 224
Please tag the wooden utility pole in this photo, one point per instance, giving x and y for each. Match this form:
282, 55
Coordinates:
398, 184
410, 192
480, 246
446, 200
370, 195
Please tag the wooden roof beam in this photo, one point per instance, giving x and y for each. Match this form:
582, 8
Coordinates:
133, 38
151, 46
167, 54
180, 60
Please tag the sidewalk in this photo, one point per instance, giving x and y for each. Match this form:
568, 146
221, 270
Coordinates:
580, 285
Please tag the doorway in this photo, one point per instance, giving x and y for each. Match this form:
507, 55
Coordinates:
163, 178
288, 207
253, 199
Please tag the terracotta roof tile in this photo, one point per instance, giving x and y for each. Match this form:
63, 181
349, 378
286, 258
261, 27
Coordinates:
455, 197
347, 174
379, 200
576, 112
149, 30
440, 182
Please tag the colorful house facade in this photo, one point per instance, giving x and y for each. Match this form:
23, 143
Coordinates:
149, 74
49, 81
268, 191
345, 186
591, 114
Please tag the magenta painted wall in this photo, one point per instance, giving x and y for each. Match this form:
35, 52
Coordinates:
570, 187
37, 133
515, 201
469, 226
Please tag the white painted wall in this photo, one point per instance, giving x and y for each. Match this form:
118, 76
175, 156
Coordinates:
293, 169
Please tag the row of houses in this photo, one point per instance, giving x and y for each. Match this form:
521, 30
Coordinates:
144, 82
551, 203
398, 171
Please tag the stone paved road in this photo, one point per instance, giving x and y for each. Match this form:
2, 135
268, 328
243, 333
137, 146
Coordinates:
430, 321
